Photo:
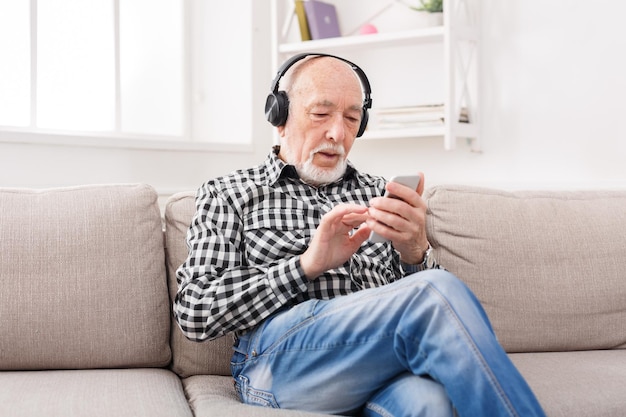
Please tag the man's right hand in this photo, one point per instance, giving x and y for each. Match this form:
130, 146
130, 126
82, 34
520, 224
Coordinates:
334, 241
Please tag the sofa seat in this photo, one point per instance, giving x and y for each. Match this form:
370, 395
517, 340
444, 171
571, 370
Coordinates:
95, 393
214, 396
581, 383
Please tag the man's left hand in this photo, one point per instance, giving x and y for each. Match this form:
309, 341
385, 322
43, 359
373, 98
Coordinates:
401, 220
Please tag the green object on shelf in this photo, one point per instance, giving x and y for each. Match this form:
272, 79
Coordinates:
432, 6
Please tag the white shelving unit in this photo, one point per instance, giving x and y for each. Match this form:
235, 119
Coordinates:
459, 37
377, 40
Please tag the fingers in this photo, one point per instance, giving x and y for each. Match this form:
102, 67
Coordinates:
401, 220
342, 210
333, 242
361, 234
393, 210
354, 219
420, 186
395, 226
350, 214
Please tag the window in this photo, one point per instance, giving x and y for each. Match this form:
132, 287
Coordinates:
113, 68
15, 90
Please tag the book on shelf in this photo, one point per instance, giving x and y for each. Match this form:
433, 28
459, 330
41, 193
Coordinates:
412, 116
322, 19
305, 34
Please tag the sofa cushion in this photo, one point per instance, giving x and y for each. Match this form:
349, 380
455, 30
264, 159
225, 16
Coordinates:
572, 384
189, 357
82, 277
547, 266
94, 393
214, 396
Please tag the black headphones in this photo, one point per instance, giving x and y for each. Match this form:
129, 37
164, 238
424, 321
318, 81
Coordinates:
277, 102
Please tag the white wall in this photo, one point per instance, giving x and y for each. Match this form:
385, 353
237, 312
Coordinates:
553, 89
553, 100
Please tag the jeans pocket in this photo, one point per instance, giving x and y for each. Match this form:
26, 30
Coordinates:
237, 362
252, 396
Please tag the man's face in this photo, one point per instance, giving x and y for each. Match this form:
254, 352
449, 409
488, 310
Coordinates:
324, 117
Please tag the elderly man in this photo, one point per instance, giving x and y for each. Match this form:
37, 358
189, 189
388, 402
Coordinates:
325, 319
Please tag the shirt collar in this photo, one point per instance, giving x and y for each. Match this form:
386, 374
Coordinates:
277, 168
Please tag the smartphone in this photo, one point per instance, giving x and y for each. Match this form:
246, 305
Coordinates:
411, 181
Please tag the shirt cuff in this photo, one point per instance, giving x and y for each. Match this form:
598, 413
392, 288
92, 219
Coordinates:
288, 280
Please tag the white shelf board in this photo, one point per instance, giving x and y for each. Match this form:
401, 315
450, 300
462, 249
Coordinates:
407, 37
421, 132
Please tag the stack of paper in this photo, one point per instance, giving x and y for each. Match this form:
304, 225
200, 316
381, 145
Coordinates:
411, 116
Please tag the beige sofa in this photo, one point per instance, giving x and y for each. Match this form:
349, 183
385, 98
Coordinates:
87, 278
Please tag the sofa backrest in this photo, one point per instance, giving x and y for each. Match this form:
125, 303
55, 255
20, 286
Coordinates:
188, 357
549, 267
82, 277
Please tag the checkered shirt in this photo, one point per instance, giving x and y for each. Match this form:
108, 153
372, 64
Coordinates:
245, 242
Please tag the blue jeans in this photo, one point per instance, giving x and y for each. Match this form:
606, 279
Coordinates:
420, 346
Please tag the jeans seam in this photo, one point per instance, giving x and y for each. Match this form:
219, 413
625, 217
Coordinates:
251, 395
378, 409
476, 352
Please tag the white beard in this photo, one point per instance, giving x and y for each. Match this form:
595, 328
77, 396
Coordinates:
317, 176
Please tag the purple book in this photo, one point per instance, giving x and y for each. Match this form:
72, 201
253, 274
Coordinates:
322, 19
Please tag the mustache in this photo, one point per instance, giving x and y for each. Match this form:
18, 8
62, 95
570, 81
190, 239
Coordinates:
336, 149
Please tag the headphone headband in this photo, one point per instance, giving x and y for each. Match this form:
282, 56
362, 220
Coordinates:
277, 103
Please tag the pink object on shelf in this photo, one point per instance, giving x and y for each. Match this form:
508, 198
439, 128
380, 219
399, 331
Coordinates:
368, 29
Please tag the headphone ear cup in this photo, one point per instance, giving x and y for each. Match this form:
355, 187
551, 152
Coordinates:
363, 124
277, 108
